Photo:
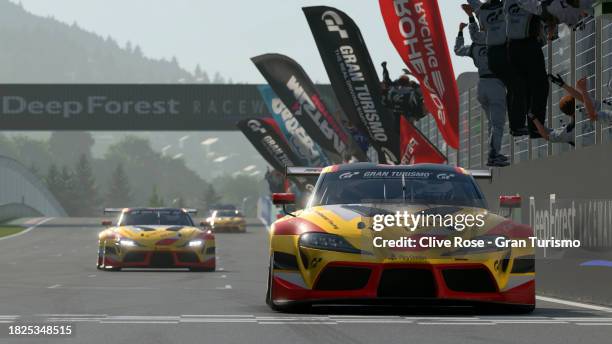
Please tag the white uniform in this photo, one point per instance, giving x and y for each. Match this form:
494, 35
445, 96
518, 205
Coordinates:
491, 90
560, 9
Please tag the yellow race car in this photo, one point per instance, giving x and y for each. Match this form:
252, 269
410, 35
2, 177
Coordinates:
226, 220
155, 238
363, 239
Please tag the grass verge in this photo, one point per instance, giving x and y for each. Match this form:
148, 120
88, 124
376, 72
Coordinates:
9, 230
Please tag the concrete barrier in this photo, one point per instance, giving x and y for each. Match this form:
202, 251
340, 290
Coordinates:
19, 186
568, 196
17, 210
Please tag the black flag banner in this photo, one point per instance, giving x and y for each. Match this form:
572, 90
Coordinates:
354, 79
266, 137
293, 86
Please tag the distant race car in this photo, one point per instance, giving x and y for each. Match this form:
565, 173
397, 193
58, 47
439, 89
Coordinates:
226, 220
333, 252
155, 238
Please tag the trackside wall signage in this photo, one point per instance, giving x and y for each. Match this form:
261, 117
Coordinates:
131, 107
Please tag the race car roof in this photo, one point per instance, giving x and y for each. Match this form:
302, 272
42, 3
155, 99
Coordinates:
119, 210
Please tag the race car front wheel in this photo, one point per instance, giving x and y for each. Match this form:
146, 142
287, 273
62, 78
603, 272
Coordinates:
285, 308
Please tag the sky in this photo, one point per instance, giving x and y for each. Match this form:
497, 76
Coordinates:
222, 35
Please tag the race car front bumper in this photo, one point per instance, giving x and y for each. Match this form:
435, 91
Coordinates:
200, 258
229, 228
160, 259
380, 282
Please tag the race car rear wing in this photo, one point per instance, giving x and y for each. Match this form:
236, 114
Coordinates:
303, 171
481, 174
112, 210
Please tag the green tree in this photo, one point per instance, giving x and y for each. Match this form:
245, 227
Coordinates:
66, 193
54, 181
155, 200
238, 190
145, 167
119, 192
86, 191
209, 197
179, 202
66, 147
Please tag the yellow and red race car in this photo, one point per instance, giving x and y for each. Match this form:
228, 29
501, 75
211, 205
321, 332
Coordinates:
155, 238
226, 220
362, 239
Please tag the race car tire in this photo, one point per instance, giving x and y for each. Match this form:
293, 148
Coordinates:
112, 269
104, 268
286, 308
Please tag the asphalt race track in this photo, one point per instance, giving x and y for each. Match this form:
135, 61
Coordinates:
48, 275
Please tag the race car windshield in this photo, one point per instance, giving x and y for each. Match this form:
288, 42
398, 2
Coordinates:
155, 217
228, 213
398, 186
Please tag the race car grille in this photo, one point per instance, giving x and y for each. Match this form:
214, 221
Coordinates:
134, 257
162, 259
285, 261
343, 278
188, 257
407, 283
477, 280
523, 264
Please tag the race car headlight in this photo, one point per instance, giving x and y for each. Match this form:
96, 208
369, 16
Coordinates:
127, 243
330, 242
196, 243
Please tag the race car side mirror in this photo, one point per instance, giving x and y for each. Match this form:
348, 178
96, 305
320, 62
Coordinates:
510, 201
510, 207
283, 198
107, 223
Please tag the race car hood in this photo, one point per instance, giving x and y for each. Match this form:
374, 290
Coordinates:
225, 220
356, 224
146, 235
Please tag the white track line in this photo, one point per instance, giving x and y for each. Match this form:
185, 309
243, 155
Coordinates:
575, 304
455, 323
27, 229
594, 324
217, 315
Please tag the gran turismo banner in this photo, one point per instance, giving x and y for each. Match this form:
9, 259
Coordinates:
416, 148
293, 86
354, 78
266, 137
416, 30
299, 141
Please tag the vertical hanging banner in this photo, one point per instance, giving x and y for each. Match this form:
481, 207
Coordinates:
297, 91
416, 148
299, 141
266, 137
416, 30
354, 79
